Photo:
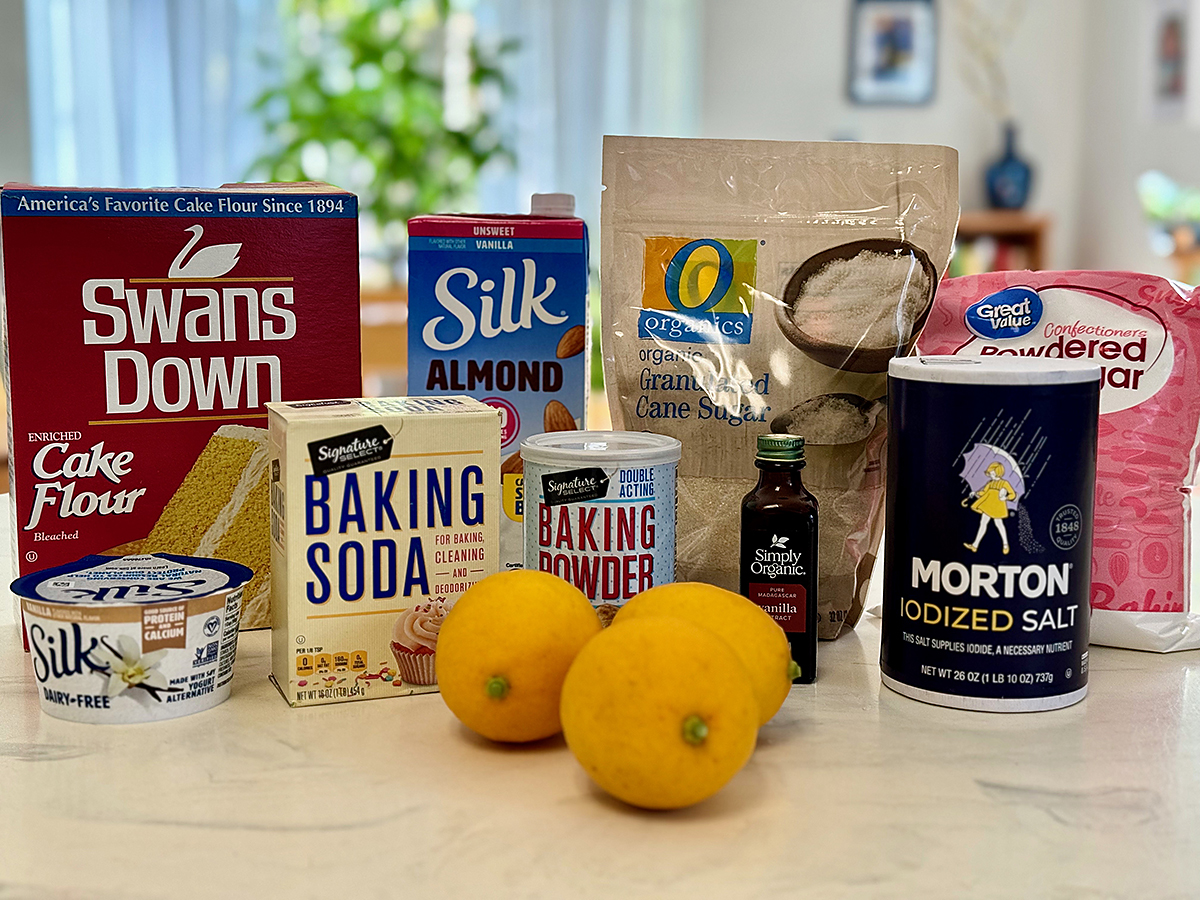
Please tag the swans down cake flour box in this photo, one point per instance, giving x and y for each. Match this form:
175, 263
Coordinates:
144, 333
383, 512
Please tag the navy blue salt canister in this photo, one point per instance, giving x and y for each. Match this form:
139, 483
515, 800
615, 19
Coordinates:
987, 562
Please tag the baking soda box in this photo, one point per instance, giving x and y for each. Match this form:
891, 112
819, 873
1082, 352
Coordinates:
498, 310
144, 333
383, 512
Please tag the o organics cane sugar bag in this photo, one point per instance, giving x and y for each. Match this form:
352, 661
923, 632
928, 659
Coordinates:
758, 286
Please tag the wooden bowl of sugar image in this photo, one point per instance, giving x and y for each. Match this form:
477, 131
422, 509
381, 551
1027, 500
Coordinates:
856, 306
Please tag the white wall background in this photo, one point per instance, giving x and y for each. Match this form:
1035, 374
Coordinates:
1079, 72
1125, 138
778, 69
14, 94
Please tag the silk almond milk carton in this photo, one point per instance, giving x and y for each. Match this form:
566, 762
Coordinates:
144, 332
498, 310
383, 512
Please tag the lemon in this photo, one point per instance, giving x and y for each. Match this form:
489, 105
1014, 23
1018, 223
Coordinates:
505, 648
659, 711
754, 636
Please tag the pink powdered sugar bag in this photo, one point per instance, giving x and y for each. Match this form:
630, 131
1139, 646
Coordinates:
1144, 331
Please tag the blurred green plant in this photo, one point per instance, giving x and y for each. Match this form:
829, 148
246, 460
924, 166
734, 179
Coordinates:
1173, 212
392, 99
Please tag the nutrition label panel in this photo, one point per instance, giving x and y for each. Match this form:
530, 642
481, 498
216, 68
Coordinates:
233, 606
330, 663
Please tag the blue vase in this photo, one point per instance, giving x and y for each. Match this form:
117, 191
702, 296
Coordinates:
1010, 177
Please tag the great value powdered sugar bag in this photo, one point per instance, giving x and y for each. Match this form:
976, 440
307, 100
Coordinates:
1144, 331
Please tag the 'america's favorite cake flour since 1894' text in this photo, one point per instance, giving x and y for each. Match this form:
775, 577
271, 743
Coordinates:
145, 332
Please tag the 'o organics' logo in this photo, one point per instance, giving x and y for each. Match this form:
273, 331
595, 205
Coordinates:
1009, 313
704, 294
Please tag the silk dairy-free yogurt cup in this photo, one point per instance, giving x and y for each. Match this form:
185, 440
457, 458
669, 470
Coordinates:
121, 639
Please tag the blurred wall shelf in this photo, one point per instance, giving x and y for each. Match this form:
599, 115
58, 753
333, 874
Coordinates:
1187, 265
384, 315
995, 239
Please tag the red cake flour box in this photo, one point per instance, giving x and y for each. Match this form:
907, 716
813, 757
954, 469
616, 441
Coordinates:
144, 333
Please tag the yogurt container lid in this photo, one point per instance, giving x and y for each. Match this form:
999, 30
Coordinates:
132, 580
611, 448
997, 370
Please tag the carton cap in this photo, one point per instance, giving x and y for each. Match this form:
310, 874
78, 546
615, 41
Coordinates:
555, 205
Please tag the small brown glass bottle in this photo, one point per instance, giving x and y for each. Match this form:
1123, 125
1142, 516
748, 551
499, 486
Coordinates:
779, 546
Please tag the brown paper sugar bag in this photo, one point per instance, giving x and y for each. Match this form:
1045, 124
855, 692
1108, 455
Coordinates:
756, 286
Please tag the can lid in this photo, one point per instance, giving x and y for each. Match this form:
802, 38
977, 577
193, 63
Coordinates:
603, 448
561, 206
132, 580
782, 447
1006, 370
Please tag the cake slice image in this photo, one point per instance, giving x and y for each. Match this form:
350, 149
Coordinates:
221, 510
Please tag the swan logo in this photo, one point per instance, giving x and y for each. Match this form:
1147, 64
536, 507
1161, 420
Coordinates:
212, 261
192, 305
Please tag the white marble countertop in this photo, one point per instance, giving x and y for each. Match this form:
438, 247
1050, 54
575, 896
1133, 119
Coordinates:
854, 791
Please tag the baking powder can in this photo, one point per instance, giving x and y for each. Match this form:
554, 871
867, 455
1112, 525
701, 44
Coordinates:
601, 511
987, 561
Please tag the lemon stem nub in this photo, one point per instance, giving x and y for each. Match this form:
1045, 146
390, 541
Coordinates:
497, 687
695, 730
793, 670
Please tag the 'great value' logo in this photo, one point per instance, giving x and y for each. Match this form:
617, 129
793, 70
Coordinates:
1009, 313
698, 291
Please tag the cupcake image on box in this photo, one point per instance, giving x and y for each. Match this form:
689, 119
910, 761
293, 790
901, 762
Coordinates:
414, 641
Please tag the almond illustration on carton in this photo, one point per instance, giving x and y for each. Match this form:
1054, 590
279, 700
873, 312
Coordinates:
513, 465
571, 344
557, 417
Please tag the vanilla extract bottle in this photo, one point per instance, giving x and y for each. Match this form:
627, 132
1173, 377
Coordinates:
779, 546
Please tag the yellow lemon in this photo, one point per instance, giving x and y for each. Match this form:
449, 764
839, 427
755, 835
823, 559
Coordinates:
754, 636
505, 648
659, 711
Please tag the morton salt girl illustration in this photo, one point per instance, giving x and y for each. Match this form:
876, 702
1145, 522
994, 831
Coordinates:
779, 546
991, 501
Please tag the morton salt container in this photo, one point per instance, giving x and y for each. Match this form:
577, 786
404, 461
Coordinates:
600, 511
987, 564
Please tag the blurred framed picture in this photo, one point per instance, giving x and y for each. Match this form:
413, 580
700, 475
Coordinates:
893, 51
1170, 62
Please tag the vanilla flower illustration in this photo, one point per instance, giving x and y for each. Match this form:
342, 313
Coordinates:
127, 667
